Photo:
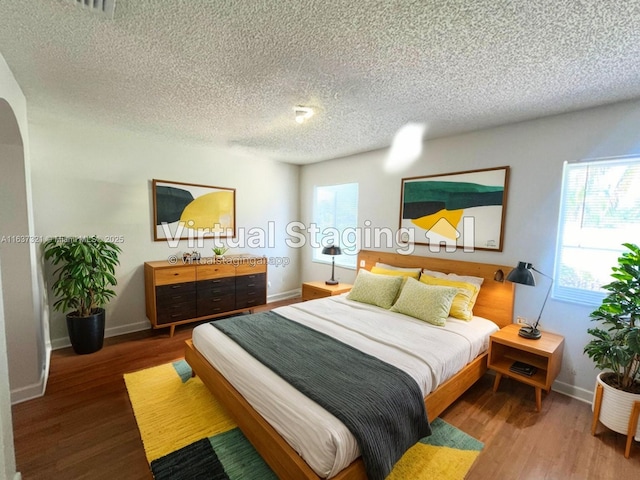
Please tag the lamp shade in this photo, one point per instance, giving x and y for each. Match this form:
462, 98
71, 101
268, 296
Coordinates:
522, 274
332, 250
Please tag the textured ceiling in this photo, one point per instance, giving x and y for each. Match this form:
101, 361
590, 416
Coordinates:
229, 72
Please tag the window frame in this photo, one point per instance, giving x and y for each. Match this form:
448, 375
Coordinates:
574, 294
348, 258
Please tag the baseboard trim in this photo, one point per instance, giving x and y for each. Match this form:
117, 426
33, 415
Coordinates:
58, 343
284, 295
572, 391
29, 392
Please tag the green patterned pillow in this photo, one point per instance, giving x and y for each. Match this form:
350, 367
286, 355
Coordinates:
430, 303
380, 290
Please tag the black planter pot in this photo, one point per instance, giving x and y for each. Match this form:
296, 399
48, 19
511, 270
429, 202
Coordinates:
86, 333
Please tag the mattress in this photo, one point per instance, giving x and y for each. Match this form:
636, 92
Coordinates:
428, 353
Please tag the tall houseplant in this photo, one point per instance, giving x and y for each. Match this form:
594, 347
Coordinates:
617, 343
616, 347
82, 284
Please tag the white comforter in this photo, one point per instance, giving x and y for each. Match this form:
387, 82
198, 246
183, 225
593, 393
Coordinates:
428, 353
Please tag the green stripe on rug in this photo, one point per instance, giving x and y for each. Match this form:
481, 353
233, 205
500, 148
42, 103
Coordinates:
206, 444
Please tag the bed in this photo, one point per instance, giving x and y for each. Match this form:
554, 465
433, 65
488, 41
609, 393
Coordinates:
494, 301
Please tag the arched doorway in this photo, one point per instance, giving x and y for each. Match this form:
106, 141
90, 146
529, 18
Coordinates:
11, 157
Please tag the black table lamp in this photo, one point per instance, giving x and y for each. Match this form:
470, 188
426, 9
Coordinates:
333, 250
522, 275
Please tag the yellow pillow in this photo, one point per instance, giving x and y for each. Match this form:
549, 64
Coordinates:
462, 306
398, 273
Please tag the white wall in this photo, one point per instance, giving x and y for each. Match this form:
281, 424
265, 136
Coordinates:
535, 151
22, 354
7, 455
96, 179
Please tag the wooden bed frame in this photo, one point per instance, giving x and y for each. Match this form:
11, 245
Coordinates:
495, 301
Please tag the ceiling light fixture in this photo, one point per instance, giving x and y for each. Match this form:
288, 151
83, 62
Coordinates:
103, 7
303, 113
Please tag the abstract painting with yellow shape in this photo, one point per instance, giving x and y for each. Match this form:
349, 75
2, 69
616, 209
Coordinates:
463, 209
184, 210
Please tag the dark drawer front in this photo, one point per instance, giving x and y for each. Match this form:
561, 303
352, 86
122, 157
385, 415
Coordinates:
177, 311
251, 290
216, 287
215, 305
168, 295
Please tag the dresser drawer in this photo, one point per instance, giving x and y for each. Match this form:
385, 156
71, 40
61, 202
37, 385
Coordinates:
215, 305
167, 276
206, 272
250, 299
176, 312
175, 298
244, 282
216, 287
245, 269
251, 290
176, 293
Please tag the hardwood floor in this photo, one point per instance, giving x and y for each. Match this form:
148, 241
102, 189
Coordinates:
84, 428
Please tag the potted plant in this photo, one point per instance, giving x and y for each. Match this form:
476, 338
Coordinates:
82, 281
616, 346
219, 251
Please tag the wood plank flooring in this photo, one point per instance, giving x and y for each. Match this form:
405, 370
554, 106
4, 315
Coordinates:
84, 428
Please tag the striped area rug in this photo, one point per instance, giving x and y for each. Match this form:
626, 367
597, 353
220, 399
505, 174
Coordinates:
188, 435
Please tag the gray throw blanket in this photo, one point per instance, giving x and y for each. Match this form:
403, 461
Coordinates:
380, 404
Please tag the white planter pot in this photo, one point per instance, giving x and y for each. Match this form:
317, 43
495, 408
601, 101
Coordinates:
616, 408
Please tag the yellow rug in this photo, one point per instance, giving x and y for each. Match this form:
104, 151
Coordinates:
187, 434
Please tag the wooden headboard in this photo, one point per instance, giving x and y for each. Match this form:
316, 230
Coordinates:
495, 300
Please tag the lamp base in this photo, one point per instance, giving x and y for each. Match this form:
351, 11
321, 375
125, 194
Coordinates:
530, 332
332, 282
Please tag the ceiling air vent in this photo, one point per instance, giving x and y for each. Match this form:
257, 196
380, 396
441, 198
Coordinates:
102, 7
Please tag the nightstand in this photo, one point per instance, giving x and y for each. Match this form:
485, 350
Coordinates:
311, 290
545, 354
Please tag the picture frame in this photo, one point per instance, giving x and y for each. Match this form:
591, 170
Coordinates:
458, 210
192, 211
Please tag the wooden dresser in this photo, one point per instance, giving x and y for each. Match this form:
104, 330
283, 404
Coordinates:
177, 293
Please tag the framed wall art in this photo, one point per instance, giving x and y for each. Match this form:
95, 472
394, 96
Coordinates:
186, 210
458, 210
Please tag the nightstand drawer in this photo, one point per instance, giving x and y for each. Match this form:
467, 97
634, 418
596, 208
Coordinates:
310, 293
313, 290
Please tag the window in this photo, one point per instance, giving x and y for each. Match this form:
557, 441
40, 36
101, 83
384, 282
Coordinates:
335, 215
599, 211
